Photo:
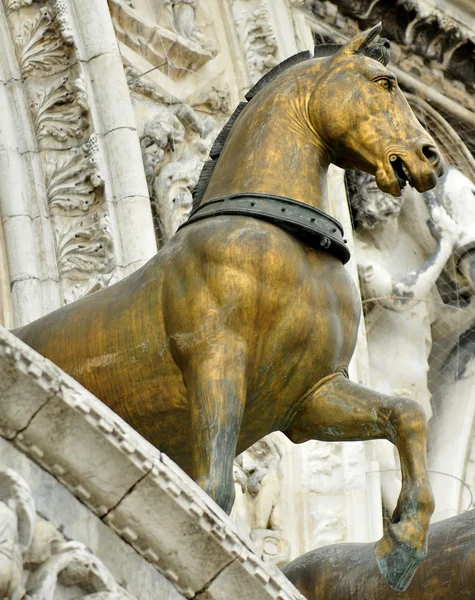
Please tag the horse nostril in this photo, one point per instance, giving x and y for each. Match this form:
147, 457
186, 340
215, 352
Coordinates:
431, 154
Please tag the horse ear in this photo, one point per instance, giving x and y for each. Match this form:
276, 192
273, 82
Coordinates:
360, 41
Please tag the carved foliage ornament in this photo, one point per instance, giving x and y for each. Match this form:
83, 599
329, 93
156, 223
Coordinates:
62, 110
39, 45
258, 36
86, 248
11, 5
72, 179
69, 154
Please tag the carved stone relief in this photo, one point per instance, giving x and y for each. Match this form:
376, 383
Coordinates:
36, 560
258, 478
68, 149
166, 34
175, 144
257, 36
39, 44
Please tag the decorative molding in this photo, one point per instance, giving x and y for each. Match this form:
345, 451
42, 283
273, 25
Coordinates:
61, 110
73, 179
257, 36
86, 248
12, 5
445, 45
39, 45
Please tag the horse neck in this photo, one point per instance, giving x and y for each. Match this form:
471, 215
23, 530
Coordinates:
274, 149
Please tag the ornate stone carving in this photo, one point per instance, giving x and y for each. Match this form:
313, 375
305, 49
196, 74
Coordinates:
72, 564
73, 179
174, 146
68, 153
33, 551
217, 98
172, 193
257, 35
141, 85
17, 522
168, 39
86, 248
261, 44
39, 45
61, 110
257, 472
11, 5
326, 483
184, 17
62, 20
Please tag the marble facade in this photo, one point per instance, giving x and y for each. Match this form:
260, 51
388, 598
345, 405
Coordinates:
109, 109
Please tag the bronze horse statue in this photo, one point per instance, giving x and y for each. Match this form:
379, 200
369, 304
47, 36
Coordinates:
245, 322
343, 571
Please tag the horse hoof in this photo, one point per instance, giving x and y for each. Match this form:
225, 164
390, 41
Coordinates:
398, 565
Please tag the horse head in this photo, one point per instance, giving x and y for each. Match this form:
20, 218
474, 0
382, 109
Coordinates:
364, 119
343, 106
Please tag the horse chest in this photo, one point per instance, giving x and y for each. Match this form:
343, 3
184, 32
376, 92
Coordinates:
309, 334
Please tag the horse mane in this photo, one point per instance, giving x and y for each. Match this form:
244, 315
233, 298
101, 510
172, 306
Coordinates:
378, 51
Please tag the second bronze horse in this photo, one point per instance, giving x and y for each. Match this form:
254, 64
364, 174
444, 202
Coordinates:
238, 328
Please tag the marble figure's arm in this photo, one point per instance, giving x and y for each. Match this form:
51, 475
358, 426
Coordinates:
401, 295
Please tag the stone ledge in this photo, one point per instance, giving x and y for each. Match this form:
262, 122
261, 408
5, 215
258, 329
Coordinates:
136, 490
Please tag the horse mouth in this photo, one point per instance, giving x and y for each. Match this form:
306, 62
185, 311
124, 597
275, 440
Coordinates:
401, 172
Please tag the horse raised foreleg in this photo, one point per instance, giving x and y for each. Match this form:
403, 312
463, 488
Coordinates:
340, 410
216, 386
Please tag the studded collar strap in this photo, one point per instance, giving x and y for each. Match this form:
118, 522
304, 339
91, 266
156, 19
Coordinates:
311, 225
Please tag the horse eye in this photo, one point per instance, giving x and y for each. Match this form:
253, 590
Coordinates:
385, 83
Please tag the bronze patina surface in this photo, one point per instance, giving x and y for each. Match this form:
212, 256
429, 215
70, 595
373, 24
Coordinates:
236, 328
344, 571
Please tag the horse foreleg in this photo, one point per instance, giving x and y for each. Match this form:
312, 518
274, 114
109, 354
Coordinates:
216, 386
340, 410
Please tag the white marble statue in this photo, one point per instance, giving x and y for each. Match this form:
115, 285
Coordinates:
184, 22
402, 246
258, 480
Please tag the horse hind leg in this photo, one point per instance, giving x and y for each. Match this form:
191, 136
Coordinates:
216, 385
341, 410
